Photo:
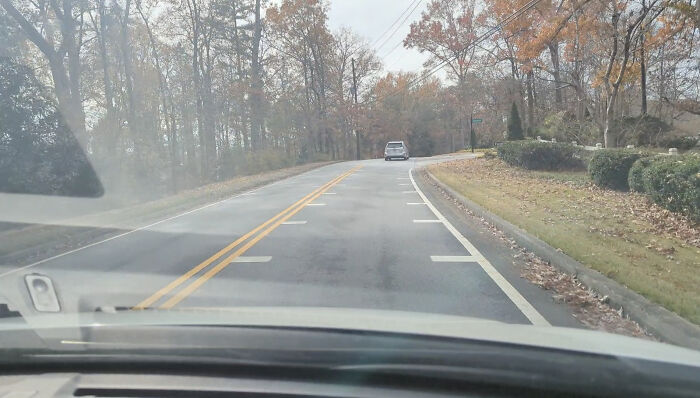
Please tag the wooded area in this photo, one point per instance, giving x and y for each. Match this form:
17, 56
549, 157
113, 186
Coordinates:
172, 94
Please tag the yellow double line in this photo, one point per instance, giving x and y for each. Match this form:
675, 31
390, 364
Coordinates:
271, 224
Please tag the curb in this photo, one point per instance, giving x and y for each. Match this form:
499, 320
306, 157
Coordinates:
661, 322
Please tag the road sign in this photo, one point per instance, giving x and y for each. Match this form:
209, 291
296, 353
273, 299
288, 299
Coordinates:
476, 121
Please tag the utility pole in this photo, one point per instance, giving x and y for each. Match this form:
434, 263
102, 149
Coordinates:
354, 93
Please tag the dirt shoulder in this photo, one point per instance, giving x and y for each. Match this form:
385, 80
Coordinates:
32, 243
642, 246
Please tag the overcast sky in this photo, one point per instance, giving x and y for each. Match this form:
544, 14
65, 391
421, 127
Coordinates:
371, 18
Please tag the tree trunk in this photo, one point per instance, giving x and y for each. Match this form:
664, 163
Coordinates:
68, 29
610, 141
556, 74
461, 108
530, 102
197, 83
128, 78
67, 86
307, 113
209, 122
256, 94
112, 126
643, 75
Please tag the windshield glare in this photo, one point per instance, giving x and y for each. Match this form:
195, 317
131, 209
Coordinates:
199, 155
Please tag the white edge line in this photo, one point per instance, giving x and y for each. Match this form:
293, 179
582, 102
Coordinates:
415, 203
453, 259
22, 268
523, 305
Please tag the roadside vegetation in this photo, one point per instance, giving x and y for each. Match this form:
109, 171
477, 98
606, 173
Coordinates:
645, 247
671, 181
165, 96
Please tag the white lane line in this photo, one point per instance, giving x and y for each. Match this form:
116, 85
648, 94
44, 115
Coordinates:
426, 221
523, 305
409, 192
453, 259
280, 182
316, 204
404, 185
328, 193
294, 223
252, 259
416, 203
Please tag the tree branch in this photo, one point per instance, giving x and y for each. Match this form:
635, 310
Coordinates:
29, 29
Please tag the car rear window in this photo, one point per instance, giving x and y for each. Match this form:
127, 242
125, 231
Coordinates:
394, 145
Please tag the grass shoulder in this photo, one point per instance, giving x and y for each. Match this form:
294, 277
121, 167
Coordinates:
622, 235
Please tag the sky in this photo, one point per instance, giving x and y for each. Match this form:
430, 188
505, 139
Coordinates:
372, 18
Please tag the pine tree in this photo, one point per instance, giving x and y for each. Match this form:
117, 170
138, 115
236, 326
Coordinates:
515, 127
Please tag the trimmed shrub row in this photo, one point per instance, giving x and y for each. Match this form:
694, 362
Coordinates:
635, 179
533, 155
682, 143
671, 181
610, 168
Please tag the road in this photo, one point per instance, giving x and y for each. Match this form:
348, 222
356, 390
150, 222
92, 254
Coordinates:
362, 234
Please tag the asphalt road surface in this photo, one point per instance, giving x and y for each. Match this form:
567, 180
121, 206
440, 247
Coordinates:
360, 234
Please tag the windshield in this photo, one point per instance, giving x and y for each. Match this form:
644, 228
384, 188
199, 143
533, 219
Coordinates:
201, 154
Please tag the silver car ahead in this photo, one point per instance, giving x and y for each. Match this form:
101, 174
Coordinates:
396, 150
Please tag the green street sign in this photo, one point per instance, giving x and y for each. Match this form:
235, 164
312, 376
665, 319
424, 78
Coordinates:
476, 121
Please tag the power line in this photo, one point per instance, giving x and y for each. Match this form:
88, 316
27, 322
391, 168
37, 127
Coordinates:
396, 61
479, 39
392, 49
378, 39
400, 41
516, 14
399, 27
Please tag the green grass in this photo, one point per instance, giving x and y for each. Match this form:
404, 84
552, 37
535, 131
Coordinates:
591, 226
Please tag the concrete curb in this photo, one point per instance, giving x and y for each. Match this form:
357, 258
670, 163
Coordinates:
661, 322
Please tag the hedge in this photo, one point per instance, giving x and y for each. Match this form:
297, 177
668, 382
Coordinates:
534, 155
609, 168
681, 143
674, 183
636, 177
